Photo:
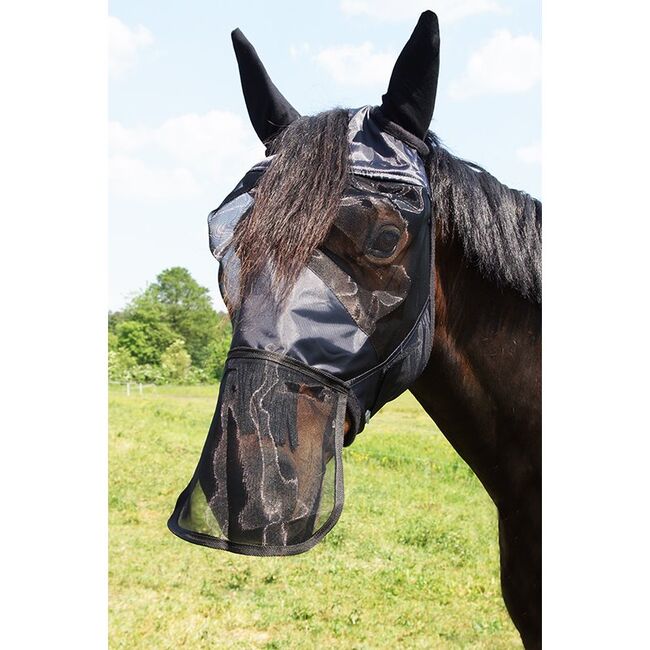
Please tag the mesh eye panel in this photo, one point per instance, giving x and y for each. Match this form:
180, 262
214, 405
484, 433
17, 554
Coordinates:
269, 481
383, 297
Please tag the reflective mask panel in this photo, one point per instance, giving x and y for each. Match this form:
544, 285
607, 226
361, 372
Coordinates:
353, 333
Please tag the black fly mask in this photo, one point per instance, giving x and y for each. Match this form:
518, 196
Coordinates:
309, 366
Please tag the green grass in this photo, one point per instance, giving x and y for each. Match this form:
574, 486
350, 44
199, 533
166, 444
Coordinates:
412, 563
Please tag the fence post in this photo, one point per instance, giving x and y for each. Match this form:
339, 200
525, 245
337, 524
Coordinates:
140, 388
128, 388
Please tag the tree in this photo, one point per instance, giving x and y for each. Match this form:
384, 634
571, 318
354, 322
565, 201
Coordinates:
144, 341
178, 300
143, 336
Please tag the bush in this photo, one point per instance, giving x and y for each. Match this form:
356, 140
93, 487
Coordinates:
198, 376
218, 351
148, 373
175, 362
144, 341
121, 365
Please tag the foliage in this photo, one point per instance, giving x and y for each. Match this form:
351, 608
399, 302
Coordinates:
120, 365
171, 309
175, 362
218, 348
148, 373
145, 342
412, 563
177, 300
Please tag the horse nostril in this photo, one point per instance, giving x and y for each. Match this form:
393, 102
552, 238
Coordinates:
347, 425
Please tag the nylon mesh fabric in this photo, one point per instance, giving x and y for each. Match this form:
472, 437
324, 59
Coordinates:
270, 475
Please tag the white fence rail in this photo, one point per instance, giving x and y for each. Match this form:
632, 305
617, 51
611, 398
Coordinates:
132, 386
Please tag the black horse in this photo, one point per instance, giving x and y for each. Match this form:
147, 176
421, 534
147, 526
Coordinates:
360, 260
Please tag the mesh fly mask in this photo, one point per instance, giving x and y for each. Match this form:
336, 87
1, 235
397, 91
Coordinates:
344, 341
351, 333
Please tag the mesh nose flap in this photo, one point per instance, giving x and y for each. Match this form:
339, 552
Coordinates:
270, 477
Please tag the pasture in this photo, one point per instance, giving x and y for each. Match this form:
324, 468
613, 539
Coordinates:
412, 563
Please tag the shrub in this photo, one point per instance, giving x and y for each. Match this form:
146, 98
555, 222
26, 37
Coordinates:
148, 373
121, 365
175, 362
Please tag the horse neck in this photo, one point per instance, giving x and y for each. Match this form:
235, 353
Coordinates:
482, 382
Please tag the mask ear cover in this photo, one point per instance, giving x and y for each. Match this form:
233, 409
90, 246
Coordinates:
411, 95
268, 109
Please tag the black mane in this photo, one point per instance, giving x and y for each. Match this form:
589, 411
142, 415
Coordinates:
500, 228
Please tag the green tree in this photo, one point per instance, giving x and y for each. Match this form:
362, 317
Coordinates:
112, 339
173, 308
178, 300
144, 341
175, 362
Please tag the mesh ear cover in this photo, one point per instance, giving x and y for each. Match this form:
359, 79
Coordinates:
268, 109
411, 95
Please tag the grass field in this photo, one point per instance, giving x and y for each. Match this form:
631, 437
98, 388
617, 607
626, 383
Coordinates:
412, 563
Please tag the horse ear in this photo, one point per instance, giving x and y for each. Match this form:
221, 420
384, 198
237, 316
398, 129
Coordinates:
268, 110
411, 94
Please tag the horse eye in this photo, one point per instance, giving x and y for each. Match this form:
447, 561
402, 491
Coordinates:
385, 242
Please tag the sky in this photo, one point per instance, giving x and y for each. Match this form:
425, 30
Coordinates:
179, 134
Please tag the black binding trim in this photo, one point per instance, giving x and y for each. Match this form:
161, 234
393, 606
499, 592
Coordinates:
322, 376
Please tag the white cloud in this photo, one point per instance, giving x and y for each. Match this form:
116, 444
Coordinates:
531, 154
125, 140
182, 157
124, 44
299, 51
357, 64
131, 178
505, 64
448, 11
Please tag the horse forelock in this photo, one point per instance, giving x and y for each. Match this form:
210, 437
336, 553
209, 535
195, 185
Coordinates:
297, 199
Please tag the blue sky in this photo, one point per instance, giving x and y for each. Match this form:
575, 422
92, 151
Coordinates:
179, 133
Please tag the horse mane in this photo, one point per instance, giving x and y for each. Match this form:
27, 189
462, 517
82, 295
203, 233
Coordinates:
297, 200
499, 228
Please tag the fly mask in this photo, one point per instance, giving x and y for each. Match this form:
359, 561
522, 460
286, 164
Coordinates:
308, 367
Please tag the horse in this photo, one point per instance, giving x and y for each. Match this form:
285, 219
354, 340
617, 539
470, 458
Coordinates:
359, 260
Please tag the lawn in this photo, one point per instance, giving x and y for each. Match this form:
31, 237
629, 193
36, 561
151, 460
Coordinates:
412, 563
